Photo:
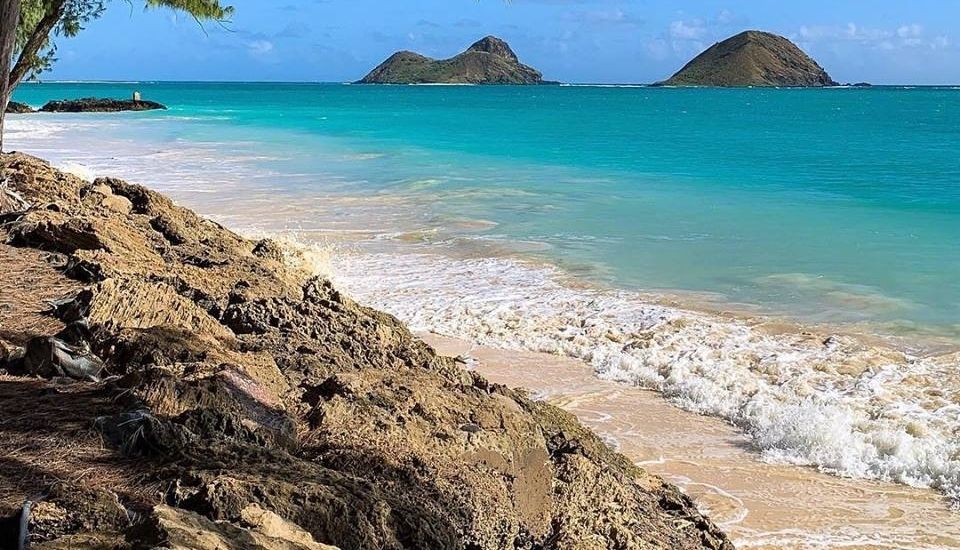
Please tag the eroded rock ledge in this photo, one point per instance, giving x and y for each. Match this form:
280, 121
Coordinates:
190, 388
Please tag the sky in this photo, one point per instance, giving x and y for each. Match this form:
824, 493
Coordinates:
588, 41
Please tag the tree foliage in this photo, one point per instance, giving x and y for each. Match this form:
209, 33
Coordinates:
33, 42
42, 21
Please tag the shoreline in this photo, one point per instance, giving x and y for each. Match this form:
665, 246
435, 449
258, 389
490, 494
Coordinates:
860, 368
202, 391
839, 403
702, 422
921, 341
760, 505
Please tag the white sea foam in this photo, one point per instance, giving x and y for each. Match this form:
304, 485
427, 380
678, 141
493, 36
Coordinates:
92, 146
81, 171
808, 540
829, 402
565, 85
87, 82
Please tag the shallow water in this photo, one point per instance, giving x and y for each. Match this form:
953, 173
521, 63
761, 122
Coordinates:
805, 397
838, 206
783, 259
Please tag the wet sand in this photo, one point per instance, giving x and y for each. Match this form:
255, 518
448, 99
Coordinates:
761, 505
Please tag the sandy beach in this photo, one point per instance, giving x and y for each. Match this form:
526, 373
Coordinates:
761, 505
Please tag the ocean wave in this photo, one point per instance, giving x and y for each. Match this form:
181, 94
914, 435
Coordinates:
821, 400
187, 166
36, 128
86, 82
567, 85
797, 538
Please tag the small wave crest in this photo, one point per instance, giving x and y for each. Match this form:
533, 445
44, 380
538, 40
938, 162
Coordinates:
820, 400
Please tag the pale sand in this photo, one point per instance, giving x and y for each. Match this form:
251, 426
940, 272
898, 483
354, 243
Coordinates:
760, 505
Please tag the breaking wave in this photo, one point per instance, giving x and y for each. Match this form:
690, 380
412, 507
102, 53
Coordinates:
822, 400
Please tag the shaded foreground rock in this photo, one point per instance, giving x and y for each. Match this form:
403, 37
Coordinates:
246, 404
100, 105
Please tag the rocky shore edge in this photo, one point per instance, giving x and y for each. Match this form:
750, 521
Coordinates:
169, 384
88, 105
15, 107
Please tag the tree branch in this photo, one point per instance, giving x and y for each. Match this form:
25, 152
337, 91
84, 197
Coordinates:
38, 38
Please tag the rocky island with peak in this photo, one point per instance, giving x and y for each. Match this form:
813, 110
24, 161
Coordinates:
752, 58
488, 61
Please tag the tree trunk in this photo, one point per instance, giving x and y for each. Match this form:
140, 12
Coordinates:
35, 42
9, 19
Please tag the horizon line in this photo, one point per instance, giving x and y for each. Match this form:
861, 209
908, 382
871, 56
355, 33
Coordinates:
556, 83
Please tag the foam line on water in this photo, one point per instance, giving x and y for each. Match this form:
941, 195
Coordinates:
827, 401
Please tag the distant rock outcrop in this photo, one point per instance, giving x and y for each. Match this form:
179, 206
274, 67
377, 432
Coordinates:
752, 58
16, 107
100, 105
488, 61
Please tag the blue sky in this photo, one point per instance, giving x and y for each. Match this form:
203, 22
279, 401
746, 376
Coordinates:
881, 41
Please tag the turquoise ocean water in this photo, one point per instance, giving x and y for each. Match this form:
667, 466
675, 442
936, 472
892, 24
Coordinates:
609, 224
837, 205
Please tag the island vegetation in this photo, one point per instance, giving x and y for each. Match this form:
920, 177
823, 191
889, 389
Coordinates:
490, 60
752, 58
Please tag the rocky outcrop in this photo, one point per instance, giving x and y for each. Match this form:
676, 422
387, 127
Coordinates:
752, 58
100, 105
18, 108
488, 61
258, 529
233, 400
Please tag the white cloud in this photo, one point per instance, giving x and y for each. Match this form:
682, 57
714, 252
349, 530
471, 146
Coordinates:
688, 30
684, 38
848, 32
260, 47
910, 31
910, 35
725, 17
611, 18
